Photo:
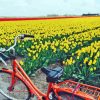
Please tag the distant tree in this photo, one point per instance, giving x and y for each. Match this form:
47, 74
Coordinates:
52, 15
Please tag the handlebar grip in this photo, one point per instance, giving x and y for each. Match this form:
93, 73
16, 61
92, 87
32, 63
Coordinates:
30, 36
25, 35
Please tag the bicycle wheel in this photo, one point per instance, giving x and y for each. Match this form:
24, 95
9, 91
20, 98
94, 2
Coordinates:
20, 91
68, 96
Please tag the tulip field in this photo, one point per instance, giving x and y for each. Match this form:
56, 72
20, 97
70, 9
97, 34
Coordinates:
74, 42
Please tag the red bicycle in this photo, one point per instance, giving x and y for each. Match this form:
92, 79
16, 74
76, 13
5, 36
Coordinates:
16, 85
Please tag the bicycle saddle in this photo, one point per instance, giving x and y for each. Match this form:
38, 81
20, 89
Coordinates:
53, 75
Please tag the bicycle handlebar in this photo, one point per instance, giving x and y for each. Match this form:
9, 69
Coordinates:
22, 36
30, 36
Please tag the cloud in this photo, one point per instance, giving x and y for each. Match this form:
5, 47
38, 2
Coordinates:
83, 6
44, 7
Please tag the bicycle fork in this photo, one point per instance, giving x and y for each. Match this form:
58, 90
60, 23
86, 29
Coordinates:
13, 81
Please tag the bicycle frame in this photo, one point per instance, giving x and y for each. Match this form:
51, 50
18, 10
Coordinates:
20, 73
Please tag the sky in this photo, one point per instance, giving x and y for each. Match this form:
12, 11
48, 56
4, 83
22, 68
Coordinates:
48, 7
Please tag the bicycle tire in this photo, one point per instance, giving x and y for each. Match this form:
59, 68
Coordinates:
20, 90
68, 96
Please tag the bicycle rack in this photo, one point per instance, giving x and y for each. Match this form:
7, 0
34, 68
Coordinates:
87, 89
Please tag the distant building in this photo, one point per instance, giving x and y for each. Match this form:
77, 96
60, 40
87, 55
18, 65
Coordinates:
90, 15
